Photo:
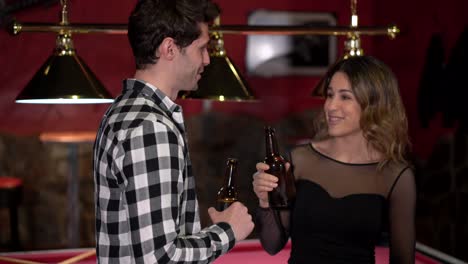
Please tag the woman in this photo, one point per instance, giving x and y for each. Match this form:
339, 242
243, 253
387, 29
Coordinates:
352, 181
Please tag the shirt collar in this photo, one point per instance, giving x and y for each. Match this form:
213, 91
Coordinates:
153, 93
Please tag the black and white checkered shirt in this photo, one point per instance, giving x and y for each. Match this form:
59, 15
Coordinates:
146, 205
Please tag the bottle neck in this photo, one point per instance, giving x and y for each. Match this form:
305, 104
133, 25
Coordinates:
230, 174
271, 143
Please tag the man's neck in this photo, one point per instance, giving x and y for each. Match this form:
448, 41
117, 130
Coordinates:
156, 78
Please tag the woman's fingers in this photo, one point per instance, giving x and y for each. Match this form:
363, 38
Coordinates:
262, 166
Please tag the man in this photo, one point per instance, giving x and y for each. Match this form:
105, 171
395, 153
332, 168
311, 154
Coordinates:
146, 205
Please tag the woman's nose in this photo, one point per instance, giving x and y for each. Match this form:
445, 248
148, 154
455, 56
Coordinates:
331, 103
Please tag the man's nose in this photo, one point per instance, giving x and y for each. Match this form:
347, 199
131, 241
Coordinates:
206, 58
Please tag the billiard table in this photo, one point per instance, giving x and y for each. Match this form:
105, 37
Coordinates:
245, 252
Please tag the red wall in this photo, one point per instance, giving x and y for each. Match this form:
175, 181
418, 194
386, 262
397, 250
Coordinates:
406, 54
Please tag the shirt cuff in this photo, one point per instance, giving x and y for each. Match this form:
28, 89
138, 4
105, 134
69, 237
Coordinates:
226, 236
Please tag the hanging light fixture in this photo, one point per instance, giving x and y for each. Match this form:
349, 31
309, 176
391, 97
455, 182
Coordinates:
220, 62
352, 46
221, 80
64, 78
353, 43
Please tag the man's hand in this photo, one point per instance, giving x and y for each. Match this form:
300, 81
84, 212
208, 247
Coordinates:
237, 216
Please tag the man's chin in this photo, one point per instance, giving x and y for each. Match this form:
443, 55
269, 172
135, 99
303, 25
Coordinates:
187, 91
193, 89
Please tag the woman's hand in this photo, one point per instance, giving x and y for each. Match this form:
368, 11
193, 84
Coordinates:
263, 183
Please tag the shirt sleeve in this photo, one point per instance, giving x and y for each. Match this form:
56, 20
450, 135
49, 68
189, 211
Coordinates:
402, 218
157, 198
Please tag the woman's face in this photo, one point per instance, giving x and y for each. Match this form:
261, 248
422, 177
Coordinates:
342, 110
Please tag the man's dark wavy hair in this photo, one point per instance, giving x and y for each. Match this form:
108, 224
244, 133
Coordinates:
153, 20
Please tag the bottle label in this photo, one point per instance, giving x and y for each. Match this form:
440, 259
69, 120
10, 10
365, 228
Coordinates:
223, 204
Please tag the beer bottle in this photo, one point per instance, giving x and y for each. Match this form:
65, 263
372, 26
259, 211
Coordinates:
227, 194
282, 195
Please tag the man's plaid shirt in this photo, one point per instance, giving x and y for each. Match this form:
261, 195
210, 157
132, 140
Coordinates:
146, 205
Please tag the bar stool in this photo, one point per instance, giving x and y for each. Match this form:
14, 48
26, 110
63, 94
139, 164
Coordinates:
11, 190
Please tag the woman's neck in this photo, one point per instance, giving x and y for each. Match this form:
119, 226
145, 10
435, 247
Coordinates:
351, 149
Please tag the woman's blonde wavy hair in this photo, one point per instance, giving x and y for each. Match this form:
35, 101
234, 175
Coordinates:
383, 118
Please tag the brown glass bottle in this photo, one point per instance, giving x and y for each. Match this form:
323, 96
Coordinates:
282, 196
227, 194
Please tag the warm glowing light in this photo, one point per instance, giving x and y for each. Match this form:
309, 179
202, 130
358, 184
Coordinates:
68, 137
354, 20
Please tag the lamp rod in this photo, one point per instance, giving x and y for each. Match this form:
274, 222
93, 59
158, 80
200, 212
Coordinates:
390, 31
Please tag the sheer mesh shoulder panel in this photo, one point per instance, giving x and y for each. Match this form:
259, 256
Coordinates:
402, 203
338, 179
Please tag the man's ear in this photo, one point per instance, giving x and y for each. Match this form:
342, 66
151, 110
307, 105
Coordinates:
167, 48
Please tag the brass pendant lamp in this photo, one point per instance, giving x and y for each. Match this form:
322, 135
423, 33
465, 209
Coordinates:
353, 43
216, 72
221, 80
352, 47
64, 78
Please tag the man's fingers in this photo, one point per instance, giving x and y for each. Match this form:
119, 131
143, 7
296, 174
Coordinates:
212, 212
